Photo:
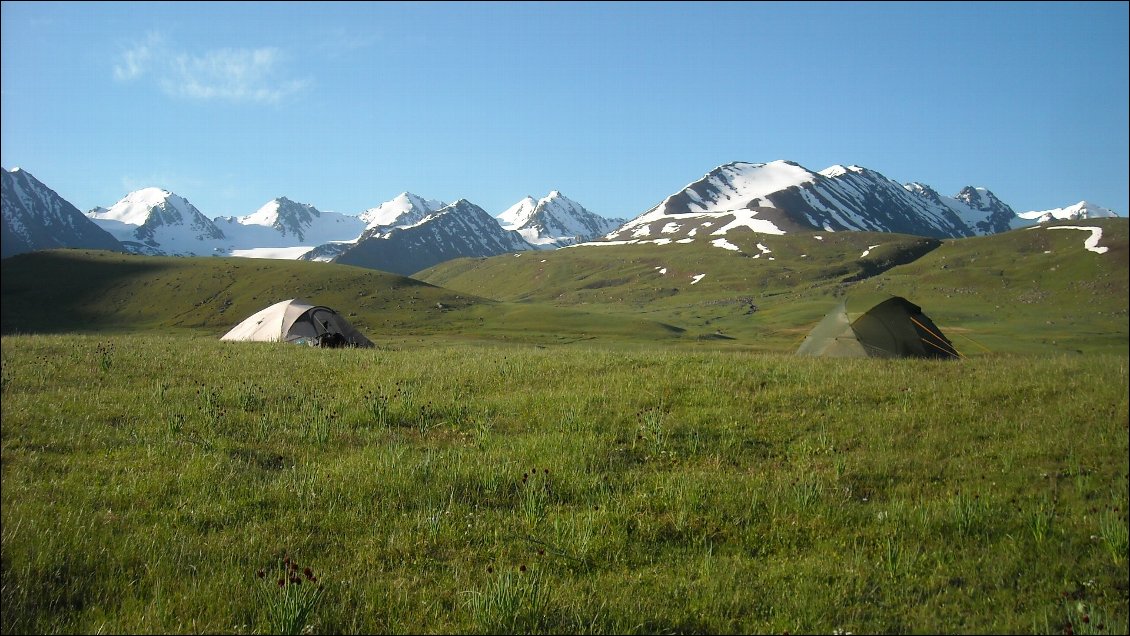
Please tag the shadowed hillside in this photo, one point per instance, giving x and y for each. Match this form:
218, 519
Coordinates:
92, 291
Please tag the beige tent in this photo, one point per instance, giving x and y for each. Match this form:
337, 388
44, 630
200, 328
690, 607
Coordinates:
300, 322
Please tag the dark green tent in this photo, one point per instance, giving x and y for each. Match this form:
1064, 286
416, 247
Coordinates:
877, 327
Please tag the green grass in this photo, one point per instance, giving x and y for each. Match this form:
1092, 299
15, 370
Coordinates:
438, 485
570, 442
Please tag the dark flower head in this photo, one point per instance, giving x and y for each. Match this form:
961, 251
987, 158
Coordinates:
521, 568
260, 574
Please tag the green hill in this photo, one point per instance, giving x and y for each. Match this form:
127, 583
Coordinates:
1033, 290
89, 291
1053, 293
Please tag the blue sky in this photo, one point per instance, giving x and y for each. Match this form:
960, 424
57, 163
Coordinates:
344, 106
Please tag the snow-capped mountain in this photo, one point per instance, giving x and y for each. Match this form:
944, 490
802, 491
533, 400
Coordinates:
555, 221
1080, 211
158, 222
517, 214
461, 229
285, 224
403, 210
783, 196
37, 218
977, 208
409, 233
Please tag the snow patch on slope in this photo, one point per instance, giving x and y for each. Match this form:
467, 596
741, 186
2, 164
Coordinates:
1092, 242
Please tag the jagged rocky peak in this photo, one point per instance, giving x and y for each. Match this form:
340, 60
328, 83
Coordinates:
157, 221
555, 220
282, 210
516, 215
924, 191
35, 217
977, 198
402, 210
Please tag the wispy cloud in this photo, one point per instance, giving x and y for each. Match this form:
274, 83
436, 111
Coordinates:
231, 74
235, 75
137, 60
339, 41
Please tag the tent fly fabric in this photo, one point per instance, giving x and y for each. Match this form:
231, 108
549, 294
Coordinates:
889, 327
299, 322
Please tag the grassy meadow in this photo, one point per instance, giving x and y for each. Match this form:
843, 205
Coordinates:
588, 440
172, 483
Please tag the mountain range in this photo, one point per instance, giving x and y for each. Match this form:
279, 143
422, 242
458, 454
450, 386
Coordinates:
555, 221
37, 218
410, 233
461, 229
156, 222
783, 196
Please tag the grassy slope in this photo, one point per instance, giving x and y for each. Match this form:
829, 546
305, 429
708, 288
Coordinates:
91, 291
658, 281
1067, 300
1033, 291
